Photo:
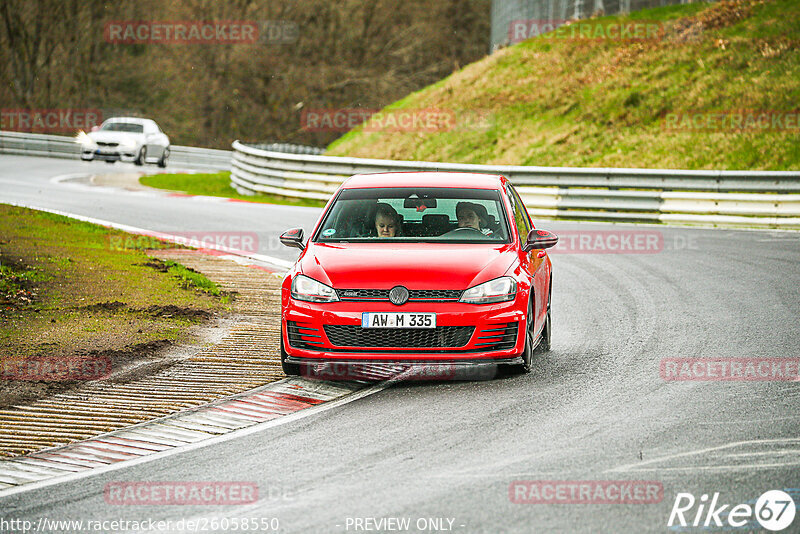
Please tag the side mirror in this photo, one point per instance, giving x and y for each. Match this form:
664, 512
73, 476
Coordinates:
293, 238
540, 239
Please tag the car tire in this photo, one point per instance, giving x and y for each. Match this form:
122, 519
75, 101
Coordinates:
289, 369
142, 155
163, 161
527, 351
547, 331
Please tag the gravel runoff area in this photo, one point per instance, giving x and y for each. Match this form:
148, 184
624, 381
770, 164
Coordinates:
246, 356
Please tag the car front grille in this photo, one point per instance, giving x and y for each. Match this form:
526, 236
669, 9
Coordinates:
501, 336
101, 143
439, 337
415, 295
302, 335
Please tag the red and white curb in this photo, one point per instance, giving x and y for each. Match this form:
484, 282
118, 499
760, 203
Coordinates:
245, 413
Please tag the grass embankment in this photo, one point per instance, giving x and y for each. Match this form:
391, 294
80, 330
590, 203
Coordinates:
71, 290
558, 101
217, 185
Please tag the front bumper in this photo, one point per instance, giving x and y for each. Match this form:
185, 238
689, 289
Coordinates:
107, 155
466, 333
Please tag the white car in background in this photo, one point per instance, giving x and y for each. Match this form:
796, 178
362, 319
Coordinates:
126, 139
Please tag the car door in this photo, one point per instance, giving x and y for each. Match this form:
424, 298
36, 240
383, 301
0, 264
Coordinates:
532, 262
153, 140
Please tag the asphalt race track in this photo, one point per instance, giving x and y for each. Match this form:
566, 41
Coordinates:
444, 454
29, 181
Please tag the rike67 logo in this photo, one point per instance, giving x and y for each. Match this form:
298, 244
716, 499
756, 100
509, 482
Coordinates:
774, 510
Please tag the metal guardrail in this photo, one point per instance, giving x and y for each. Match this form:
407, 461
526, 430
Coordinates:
60, 146
724, 198
207, 158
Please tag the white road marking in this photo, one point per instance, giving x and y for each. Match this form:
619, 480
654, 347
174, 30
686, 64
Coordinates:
738, 467
640, 466
763, 453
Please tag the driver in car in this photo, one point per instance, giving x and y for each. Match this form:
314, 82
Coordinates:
472, 215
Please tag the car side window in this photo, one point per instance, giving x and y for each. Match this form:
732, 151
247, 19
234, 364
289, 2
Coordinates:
520, 215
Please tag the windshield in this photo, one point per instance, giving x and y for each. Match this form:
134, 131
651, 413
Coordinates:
415, 215
122, 127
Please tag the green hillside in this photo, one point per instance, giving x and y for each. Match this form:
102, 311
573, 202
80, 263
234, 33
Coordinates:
692, 97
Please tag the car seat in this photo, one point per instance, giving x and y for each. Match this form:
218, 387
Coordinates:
435, 224
492, 224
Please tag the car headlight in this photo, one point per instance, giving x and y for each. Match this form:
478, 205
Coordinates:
497, 290
308, 289
84, 140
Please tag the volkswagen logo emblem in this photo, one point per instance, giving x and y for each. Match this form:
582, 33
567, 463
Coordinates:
398, 295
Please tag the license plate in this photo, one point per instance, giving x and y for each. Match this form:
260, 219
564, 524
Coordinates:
398, 320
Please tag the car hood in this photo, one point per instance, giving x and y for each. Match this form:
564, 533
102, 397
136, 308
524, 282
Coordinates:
414, 265
115, 137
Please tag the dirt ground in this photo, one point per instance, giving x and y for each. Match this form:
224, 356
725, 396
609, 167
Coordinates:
75, 308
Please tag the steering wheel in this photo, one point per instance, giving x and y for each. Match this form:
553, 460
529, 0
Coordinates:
464, 229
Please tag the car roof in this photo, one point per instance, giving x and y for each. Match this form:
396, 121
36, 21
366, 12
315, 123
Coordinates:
425, 179
134, 120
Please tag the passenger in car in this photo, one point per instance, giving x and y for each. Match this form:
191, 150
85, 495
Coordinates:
387, 221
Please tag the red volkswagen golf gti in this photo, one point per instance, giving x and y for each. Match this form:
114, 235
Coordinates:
418, 268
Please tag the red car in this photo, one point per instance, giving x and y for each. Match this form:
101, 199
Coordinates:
418, 268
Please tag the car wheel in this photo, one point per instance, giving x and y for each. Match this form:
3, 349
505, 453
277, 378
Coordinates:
142, 156
547, 331
290, 369
163, 161
527, 352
